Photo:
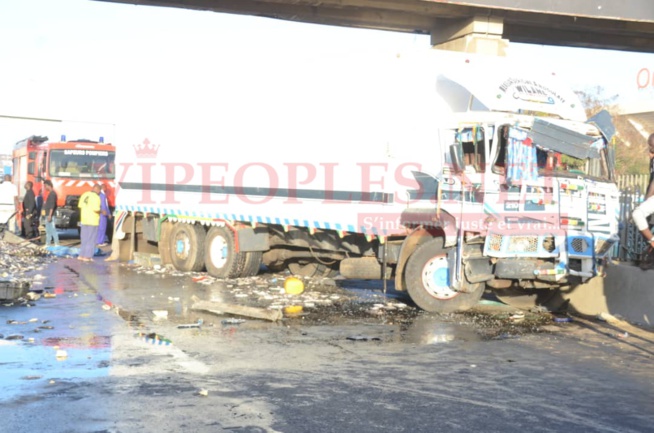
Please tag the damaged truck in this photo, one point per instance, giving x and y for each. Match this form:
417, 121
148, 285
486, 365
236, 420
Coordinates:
443, 173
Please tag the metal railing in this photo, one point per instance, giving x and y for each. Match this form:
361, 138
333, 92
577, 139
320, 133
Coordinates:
632, 193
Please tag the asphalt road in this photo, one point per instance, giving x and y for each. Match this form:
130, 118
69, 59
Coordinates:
343, 364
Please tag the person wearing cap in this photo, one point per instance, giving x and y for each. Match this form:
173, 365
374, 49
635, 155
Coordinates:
646, 208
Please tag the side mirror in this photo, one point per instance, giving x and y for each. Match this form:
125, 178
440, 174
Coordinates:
456, 157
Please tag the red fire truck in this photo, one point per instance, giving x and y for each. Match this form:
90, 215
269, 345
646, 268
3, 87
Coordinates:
72, 166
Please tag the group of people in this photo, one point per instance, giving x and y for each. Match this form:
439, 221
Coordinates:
94, 214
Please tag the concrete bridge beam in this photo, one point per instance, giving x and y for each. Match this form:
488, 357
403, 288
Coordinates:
479, 34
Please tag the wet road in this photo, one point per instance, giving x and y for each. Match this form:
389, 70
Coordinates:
350, 361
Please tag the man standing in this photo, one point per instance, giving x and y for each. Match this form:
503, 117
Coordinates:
646, 208
104, 216
30, 213
8, 202
49, 209
89, 204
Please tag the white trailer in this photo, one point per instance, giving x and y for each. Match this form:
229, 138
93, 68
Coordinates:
444, 172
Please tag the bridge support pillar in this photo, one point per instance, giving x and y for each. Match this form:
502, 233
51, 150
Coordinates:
480, 34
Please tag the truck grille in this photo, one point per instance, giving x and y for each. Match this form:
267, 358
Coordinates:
523, 244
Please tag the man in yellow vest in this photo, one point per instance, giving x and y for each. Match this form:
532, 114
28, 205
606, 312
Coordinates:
89, 204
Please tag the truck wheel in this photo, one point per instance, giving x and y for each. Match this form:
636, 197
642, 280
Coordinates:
220, 256
251, 263
311, 269
428, 281
187, 247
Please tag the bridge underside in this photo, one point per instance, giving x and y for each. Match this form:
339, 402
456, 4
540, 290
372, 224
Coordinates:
627, 25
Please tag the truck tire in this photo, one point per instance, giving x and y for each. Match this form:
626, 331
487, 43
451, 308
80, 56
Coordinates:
251, 263
311, 269
220, 256
187, 247
427, 281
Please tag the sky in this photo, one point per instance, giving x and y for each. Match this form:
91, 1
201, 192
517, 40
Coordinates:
90, 64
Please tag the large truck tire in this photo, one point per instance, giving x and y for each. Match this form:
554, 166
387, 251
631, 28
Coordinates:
251, 263
311, 269
427, 281
220, 256
187, 247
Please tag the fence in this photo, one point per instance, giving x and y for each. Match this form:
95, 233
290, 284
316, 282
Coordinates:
632, 192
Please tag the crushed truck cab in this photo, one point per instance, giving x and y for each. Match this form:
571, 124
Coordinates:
446, 173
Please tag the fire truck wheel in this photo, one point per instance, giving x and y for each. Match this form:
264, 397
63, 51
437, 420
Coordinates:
428, 281
311, 269
251, 263
187, 247
220, 256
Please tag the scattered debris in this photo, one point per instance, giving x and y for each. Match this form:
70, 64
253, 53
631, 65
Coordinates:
293, 286
232, 321
153, 338
607, 317
198, 324
221, 308
160, 314
363, 338
563, 319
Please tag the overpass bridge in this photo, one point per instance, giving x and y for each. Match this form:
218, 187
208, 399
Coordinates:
472, 25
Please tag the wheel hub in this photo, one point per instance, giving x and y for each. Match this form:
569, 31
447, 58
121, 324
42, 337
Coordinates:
182, 246
436, 278
219, 251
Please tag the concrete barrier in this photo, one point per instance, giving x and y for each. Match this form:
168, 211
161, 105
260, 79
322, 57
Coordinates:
626, 290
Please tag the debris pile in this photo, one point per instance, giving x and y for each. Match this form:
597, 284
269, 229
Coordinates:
18, 260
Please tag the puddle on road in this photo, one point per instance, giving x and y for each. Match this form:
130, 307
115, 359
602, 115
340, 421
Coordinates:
56, 345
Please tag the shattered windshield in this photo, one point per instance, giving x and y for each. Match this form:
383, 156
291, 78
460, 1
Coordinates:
548, 149
82, 163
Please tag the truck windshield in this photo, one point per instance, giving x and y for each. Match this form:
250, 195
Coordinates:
82, 163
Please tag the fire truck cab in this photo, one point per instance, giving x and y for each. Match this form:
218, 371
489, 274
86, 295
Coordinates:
72, 166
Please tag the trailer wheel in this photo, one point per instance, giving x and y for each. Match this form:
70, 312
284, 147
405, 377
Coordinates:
428, 281
187, 247
251, 263
311, 269
220, 256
